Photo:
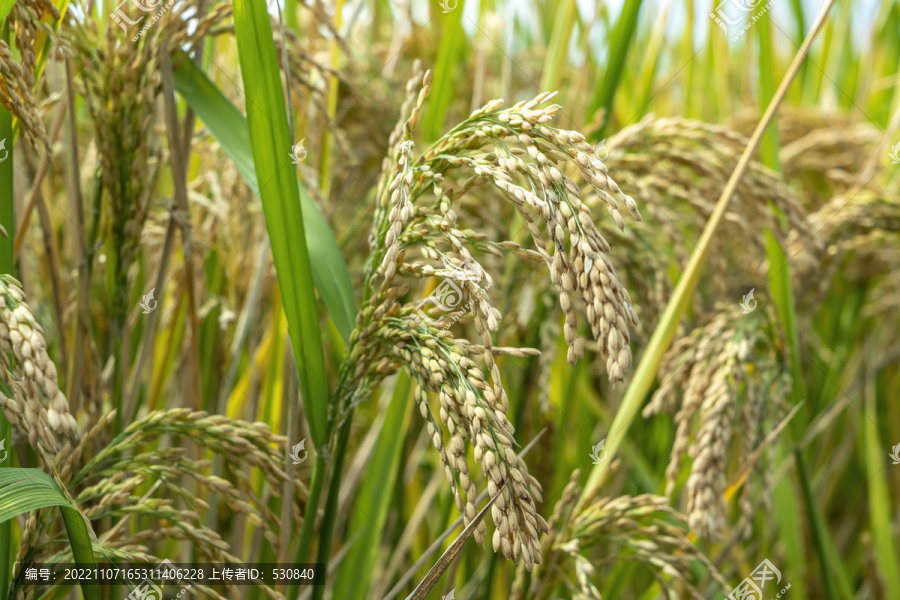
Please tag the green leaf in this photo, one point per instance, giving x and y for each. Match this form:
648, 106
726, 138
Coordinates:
5, 7
450, 56
605, 93
330, 273
558, 50
24, 490
228, 125
7, 266
271, 144
225, 121
783, 297
879, 497
374, 498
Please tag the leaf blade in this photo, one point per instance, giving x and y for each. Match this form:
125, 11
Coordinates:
229, 126
23, 490
270, 141
373, 500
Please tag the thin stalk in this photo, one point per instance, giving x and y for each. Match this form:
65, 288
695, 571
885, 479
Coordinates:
309, 518
6, 550
815, 523
331, 504
118, 383
240, 335
35, 194
7, 265
190, 118
36, 198
146, 349
179, 178
290, 386
780, 286
605, 93
325, 159
645, 373
289, 396
77, 357
54, 270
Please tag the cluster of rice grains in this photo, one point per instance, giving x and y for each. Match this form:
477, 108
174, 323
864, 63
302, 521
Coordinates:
17, 96
106, 485
30, 373
724, 369
120, 88
524, 158
644, 525
681, 167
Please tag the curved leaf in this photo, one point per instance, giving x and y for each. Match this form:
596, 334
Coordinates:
229, 126
24, 490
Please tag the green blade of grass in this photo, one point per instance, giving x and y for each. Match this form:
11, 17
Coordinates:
24, 490
645, 374
228, 125
651, 60
271, 143
559, 46
450, 55
7, 266
816, 524
879, 498
768, 149
783, 297
374, 498
331, 501
605, 94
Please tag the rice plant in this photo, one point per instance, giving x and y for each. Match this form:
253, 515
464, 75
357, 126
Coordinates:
339, 290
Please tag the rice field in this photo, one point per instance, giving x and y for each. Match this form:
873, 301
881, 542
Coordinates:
494, 300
